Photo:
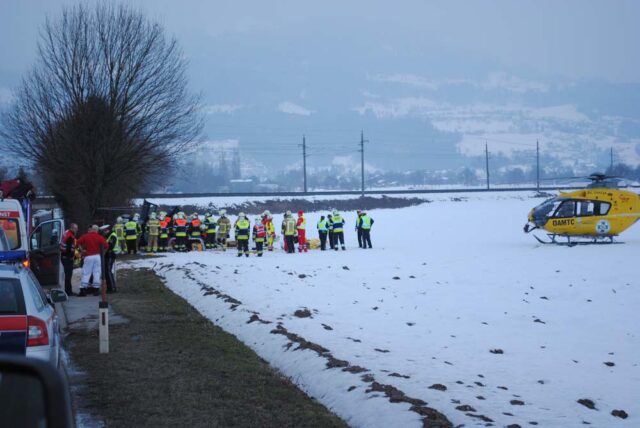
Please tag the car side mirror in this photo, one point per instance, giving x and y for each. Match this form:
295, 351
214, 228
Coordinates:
32, 394
58, 296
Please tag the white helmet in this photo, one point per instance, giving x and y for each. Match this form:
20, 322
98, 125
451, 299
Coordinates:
267, 213
152, 216
335, 212
162, 214
136, 217
119, 220
241, 215
288, 213
222, 212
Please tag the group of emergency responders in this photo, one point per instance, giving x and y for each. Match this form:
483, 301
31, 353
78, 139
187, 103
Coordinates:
180, 232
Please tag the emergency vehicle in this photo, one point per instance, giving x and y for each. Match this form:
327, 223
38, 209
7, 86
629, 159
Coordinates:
39, 246
28, 322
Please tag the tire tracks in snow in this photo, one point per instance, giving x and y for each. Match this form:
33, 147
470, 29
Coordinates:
430, 417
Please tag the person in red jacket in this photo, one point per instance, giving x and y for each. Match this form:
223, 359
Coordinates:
93, 245
301, 225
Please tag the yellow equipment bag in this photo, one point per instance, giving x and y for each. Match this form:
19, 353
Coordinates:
313, 243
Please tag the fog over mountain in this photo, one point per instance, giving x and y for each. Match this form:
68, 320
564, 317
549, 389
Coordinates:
428, 82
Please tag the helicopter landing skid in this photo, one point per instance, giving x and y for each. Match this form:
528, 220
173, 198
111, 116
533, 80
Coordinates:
572, 241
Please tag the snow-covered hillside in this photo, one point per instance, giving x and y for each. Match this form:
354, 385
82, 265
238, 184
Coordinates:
454, 306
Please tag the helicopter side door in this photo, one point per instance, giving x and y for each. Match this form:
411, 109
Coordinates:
586, 217
589, 218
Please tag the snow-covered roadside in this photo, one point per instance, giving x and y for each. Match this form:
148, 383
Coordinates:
453, 295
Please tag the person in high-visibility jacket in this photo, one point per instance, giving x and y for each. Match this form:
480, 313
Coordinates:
259, 235
194, 227
210, 229
289, 232
358, 228
222, 233
322, 226
365, 225
242, 228
136, 218
180, 225
153, 231
330, 231
110, 256
131, 236
118, 229
163, 239
267, 220
301, 226
337, 223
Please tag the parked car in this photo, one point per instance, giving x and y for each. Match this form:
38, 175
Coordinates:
28, 321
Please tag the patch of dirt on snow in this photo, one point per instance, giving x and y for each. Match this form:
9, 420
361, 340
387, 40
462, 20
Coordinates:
619, 414
303, 313
438, 387
589, 404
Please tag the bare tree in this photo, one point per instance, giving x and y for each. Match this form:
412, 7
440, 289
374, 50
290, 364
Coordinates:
106, 109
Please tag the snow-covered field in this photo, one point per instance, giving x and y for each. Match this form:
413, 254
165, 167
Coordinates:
453, 294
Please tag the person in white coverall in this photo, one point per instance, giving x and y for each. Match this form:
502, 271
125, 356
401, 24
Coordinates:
93, 244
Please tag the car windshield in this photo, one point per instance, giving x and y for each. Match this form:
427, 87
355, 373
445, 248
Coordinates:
11, 230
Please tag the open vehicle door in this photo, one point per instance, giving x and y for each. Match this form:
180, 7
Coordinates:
45, 251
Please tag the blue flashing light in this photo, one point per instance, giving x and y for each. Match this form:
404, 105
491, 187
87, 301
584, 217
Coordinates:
13, 256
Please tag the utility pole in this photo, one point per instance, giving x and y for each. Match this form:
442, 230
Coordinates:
362, 141
537, 166
304, 162
486, 156
611, 165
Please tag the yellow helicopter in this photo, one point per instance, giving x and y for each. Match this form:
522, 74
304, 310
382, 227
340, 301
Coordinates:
594, 215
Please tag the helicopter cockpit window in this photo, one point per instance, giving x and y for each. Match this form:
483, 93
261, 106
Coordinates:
567, 209
585, 208
603, 208
547, 208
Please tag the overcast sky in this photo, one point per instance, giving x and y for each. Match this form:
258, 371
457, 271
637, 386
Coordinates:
420, 76
574, 39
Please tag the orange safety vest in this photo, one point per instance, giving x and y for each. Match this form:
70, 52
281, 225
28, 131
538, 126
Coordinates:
181, 227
